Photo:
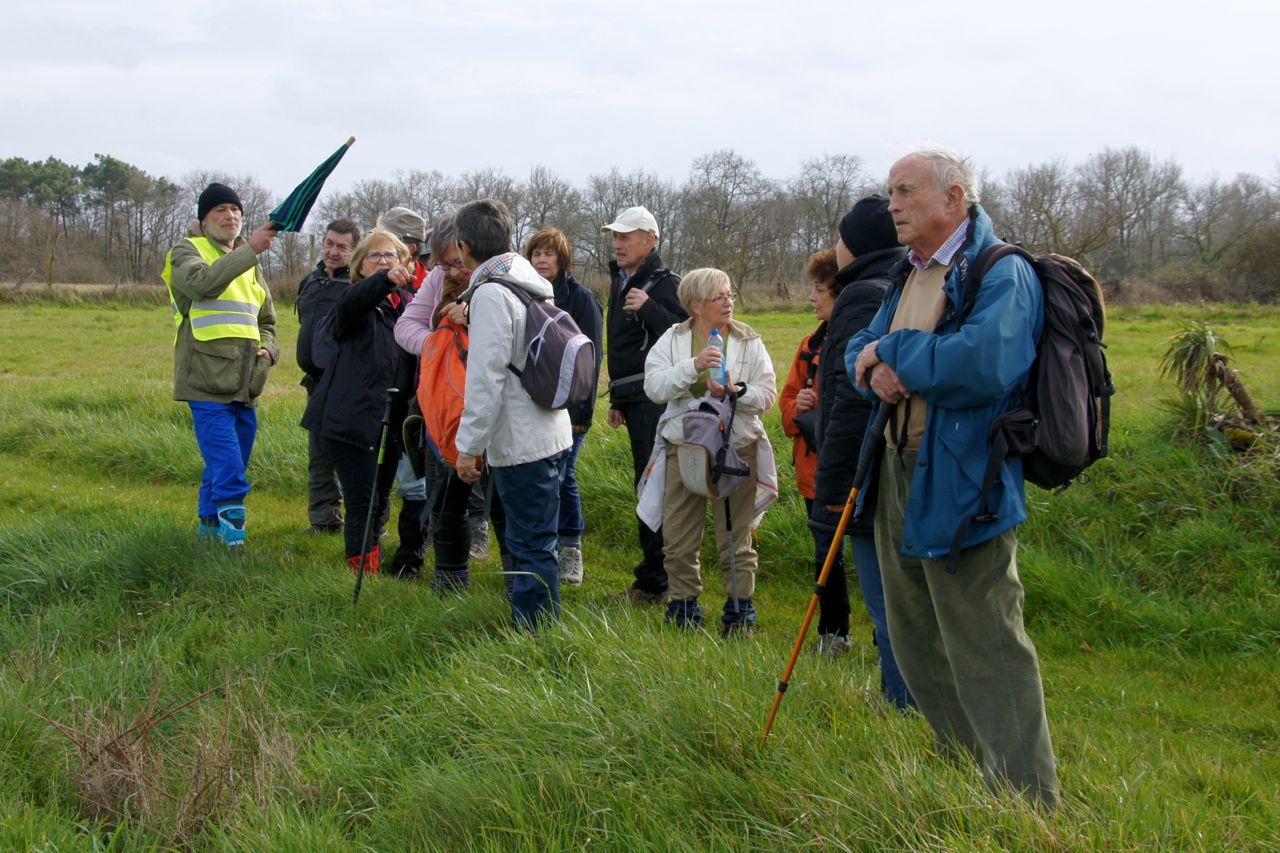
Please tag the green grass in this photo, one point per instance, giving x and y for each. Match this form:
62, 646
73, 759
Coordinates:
423, 722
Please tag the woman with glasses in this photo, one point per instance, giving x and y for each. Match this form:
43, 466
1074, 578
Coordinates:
679, 370
347, 406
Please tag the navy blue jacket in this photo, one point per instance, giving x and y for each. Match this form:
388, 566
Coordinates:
583, 306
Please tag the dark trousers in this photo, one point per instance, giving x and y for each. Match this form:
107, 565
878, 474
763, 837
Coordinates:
365, 484
324, 494
530, 494
451, 534
962, 647
642, 428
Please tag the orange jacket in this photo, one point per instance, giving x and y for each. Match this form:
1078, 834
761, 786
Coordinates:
804, 458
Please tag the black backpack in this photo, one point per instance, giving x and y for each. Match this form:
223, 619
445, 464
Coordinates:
560, 361
1061, 426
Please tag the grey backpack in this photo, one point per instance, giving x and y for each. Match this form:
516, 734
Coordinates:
560, 361
709, 464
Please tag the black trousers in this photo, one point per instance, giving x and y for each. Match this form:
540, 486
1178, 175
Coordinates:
365, 484
642, 428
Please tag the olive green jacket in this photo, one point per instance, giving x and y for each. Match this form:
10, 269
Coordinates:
227, 370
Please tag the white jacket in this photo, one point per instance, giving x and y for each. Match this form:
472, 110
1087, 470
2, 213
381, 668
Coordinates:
669, 372
499, 420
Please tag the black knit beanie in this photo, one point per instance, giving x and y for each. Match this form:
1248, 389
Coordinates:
868, 227
214, 195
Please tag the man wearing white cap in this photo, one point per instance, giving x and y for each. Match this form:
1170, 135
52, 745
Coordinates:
642, 305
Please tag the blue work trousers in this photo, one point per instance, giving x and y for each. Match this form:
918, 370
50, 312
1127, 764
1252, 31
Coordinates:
225, 433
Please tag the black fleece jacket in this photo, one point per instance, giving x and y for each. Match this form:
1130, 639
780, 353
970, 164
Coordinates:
348, 402
843, 411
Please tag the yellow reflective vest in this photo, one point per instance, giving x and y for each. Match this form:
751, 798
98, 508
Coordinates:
234, 314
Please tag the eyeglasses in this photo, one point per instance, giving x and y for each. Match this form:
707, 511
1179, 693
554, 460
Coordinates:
725, 298
379, 257
449, 265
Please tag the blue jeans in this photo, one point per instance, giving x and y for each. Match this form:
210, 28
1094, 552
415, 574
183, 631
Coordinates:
571, 520
868, 566
225, 433
530, 494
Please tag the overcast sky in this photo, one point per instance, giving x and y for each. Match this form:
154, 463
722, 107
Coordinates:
271, 88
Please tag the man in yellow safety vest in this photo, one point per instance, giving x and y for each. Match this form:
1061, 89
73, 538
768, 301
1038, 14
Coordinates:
225, 342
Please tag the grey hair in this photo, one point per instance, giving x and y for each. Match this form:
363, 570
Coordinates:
443, 235
485, 226
700, 285
951, 169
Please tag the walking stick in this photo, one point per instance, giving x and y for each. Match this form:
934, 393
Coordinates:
373, 496
869, 448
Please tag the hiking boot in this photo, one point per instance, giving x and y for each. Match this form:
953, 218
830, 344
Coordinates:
321, 529
479, 540
831, 646
639, 597
570, 566
684, 613
451, 580
231, 523
209, 529
740, 622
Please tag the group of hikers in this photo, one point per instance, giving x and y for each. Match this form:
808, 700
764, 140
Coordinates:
946, 607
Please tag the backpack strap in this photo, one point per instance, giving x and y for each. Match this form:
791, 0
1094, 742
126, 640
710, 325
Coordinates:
719, 467
1006, 436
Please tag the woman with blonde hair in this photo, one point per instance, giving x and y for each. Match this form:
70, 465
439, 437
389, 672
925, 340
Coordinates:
679, 371
347, 406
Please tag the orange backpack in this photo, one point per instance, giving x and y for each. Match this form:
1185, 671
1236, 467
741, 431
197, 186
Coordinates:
442, 382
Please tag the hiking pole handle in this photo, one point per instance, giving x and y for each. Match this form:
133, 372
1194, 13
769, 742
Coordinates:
373, 498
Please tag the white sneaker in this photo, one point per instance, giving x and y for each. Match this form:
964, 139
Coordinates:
570, 566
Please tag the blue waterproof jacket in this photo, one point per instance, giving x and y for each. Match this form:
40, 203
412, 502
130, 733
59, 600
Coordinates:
969, 372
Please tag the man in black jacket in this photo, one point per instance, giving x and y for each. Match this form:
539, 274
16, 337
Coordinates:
317, 294
642, 305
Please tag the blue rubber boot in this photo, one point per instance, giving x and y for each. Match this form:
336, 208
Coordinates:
209, 530
231, 521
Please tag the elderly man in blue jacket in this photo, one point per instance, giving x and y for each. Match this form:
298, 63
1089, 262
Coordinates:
956, 624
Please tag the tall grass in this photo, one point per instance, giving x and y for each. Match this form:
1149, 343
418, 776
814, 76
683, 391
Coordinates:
417, 721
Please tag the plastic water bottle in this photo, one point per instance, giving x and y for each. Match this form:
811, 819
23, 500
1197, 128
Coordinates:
721, 373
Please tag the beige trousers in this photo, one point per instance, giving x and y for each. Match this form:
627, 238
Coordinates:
684, 524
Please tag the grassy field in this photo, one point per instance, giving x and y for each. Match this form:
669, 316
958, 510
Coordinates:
155, 693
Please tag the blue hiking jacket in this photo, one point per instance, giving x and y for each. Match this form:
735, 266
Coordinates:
969, 373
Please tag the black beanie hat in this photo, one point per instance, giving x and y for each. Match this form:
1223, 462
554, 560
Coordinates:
214, 195
868, 227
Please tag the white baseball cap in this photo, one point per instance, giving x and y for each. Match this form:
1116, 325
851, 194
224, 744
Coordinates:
633, 219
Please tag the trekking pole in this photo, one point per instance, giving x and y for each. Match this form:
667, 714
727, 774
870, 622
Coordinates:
869, 448
373, 494
732, 394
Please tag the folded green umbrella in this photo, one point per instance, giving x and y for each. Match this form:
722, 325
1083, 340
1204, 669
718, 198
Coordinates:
292, 212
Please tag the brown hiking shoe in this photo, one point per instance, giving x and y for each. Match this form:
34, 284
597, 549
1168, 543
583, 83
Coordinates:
638, 597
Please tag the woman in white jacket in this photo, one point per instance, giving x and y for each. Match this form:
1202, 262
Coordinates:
678, 372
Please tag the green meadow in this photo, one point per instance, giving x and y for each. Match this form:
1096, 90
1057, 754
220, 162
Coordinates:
157, 693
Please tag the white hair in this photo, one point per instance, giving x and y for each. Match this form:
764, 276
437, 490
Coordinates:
951, 169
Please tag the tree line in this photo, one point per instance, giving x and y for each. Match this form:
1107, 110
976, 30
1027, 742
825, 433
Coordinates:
1145, 230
